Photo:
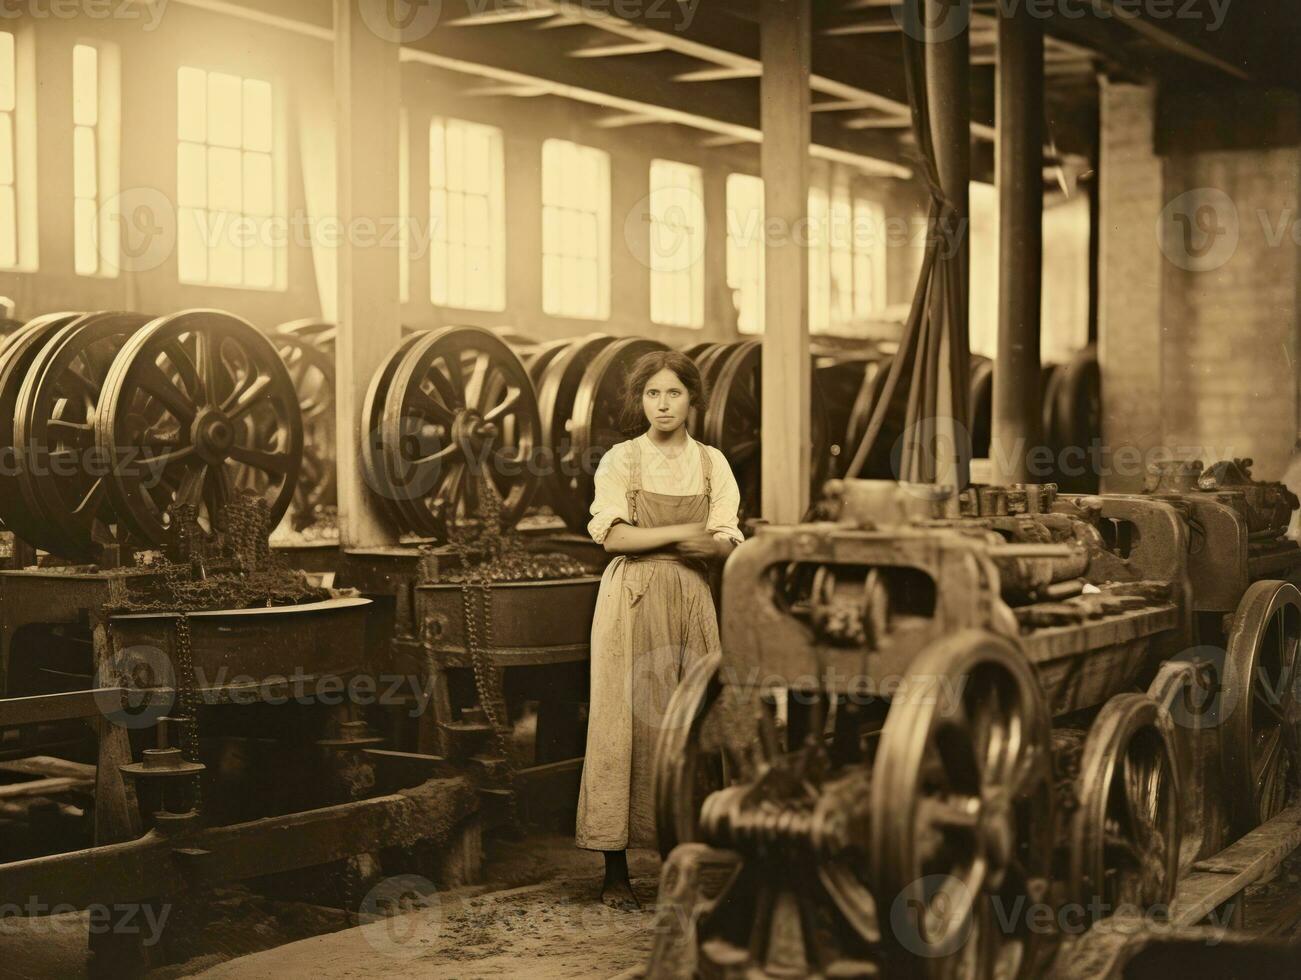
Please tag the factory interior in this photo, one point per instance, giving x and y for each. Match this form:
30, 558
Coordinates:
650, 489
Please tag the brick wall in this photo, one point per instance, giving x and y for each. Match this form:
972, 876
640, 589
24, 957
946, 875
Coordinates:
1198, 279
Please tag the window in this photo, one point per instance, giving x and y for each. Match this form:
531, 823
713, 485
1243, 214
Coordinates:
677, 244
846, 260
745, 232
226, 189
575, 230
94, 157
8, 157
467, 216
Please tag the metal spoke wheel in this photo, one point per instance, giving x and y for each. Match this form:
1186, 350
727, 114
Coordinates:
311, 369
1259, 698
539, 357
596, 424
961, 810
1126, 830
16, 358
1186, 689
556, 393
317, 332
734, 419
374, 464
62, 476
205, 404
462, 408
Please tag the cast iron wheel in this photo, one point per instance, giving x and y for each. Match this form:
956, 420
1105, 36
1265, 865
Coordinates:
207, 398
463, 408
62, 477
1259, 698
961, 809
16, 358
733, 425
373, 461
311, 369
1126, 831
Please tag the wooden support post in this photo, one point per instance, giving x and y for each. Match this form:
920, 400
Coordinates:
948, 88
785, 51
368, 91
1019, 178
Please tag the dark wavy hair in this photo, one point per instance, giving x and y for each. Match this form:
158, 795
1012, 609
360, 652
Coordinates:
633, 419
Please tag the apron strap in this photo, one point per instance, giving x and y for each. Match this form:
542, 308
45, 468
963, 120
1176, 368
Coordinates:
634, 479
706, 468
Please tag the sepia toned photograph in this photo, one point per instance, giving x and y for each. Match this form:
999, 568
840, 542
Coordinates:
650, 489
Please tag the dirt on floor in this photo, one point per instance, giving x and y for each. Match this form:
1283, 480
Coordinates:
536, 915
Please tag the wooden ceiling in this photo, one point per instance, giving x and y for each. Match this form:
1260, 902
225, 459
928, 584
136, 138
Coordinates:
694, 63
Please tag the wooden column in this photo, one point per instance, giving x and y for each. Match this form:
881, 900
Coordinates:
785, 50
1019, 178
948, 50
368, 91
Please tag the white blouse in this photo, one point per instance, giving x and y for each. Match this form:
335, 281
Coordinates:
681, 475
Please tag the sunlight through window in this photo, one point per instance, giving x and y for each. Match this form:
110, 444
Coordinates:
225, 180
8, 165
677, 244
745, 249
575, 230
467, 215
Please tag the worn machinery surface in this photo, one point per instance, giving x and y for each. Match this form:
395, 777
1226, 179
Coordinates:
942, 716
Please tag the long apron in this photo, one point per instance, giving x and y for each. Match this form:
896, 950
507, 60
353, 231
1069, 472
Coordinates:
654, 617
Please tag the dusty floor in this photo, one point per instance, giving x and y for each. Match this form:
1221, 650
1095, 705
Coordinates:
537, 907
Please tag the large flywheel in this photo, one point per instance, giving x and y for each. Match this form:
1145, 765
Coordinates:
1259, 704
311, 370
459, 409
961, 810
207, 403
63, 476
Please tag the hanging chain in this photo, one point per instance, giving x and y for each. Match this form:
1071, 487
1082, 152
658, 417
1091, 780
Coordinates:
187, 698
476, 605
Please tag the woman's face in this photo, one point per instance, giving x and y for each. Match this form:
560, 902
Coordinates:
666, 401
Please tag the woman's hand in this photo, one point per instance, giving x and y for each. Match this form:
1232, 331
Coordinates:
700, 544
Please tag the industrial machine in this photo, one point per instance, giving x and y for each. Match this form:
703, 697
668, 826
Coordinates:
937, 712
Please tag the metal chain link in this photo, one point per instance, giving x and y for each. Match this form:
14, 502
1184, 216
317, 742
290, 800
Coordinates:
188, 699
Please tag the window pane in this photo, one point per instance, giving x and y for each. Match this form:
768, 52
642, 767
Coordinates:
225, 257
225, 109
85, 85
437, 154
7, 72
87, 237
191, 175
225, 177
84, 179
259, 196
259, 261
257, 116
191, 104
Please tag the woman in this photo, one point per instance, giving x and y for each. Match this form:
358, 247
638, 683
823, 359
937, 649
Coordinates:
667, 506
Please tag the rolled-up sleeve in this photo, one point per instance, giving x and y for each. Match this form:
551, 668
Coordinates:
611, 501
724, 501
